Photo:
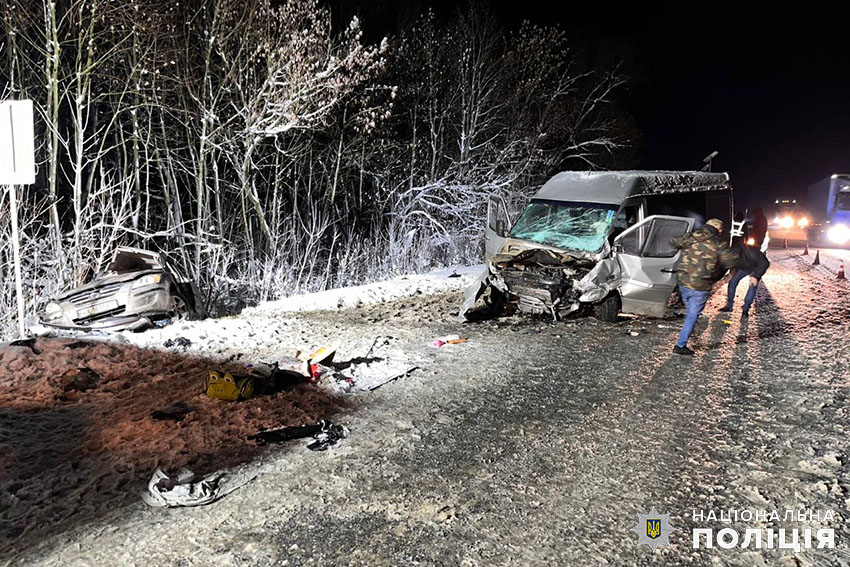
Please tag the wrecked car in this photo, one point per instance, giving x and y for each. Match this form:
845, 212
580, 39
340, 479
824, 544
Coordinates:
138, 289
595, 241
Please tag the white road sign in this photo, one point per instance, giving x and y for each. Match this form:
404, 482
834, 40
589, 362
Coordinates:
17, 143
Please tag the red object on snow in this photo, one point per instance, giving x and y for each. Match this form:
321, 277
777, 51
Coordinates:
841, 275
817, 259
806, 251
314, 371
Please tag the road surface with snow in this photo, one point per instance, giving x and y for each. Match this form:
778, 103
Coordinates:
531, 444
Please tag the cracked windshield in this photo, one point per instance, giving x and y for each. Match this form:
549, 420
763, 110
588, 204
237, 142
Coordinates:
574, 226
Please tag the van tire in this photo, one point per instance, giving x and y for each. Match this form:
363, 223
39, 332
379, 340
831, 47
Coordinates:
494, 300
608, 309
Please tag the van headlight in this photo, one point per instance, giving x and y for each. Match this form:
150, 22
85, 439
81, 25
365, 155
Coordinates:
803, 222
839, 234
52, 311
149, 279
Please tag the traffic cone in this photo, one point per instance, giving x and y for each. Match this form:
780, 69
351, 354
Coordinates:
785, 243
817, 259
806, 251
841, 275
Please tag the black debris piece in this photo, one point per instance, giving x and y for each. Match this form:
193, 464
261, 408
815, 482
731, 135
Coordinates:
77, 344
175, 413
271, 379
325, 433
328, 437
29, 343
178, 342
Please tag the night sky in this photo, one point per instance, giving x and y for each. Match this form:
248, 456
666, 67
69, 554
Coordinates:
769, 90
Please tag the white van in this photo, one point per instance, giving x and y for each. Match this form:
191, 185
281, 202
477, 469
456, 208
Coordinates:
596, 239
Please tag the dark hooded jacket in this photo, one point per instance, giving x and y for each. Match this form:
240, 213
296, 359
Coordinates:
705, 258
751, 261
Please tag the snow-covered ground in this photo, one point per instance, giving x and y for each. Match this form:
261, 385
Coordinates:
266, 332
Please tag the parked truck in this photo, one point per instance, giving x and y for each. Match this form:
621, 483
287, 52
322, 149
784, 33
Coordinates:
829, 207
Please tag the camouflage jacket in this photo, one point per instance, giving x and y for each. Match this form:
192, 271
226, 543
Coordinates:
705, 258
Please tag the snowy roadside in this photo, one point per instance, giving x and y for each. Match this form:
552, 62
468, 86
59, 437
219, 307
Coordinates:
267, 332
79, 415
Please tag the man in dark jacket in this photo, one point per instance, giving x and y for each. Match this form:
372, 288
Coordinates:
705, 259
752, 263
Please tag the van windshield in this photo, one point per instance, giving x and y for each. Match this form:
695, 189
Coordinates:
572, 226
843, 201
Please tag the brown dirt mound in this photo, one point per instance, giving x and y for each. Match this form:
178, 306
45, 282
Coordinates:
77, 434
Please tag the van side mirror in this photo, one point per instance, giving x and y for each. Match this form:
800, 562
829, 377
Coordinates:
618, 248
501, 227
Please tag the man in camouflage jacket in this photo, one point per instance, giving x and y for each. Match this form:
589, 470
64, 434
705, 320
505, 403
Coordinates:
705, 259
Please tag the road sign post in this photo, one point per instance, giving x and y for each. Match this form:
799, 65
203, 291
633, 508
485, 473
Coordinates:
17, 167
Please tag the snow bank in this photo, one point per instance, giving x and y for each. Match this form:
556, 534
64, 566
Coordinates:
450, 279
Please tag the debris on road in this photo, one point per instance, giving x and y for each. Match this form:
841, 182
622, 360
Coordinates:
178, 342
226, 386
448, 340
182, 489
324, 432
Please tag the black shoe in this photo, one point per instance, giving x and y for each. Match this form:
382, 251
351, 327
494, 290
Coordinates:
726, 309
745, 314
682, 350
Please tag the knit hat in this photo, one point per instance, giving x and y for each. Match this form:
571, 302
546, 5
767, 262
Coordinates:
716, 224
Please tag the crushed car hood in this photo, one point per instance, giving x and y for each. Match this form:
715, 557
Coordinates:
104, 280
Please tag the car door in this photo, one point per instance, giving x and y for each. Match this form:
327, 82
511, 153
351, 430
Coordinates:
648, 263
498, 225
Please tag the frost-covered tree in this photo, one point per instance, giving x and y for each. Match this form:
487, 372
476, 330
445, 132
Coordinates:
271, 149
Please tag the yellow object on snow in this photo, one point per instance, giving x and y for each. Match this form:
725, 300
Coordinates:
224, 386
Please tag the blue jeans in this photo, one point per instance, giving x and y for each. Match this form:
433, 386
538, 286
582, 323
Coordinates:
733, 286
695, 303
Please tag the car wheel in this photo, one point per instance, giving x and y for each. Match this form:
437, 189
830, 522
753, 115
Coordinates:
178, 307
608, 309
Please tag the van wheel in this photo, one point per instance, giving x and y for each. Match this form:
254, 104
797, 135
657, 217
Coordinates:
494, 300
608, 309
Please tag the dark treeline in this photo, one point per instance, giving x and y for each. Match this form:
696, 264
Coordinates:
272, 149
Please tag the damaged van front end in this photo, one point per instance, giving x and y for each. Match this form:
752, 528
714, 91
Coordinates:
595, 241
544, 280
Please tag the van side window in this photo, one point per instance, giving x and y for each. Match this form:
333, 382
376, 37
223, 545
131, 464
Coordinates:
658, 244
631, 243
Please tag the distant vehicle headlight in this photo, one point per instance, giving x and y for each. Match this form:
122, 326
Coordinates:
839, 234
803, 222
149, 279
751, 241
52, 311
786, 222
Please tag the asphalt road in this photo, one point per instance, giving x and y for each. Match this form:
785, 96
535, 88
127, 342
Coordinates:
540, 444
